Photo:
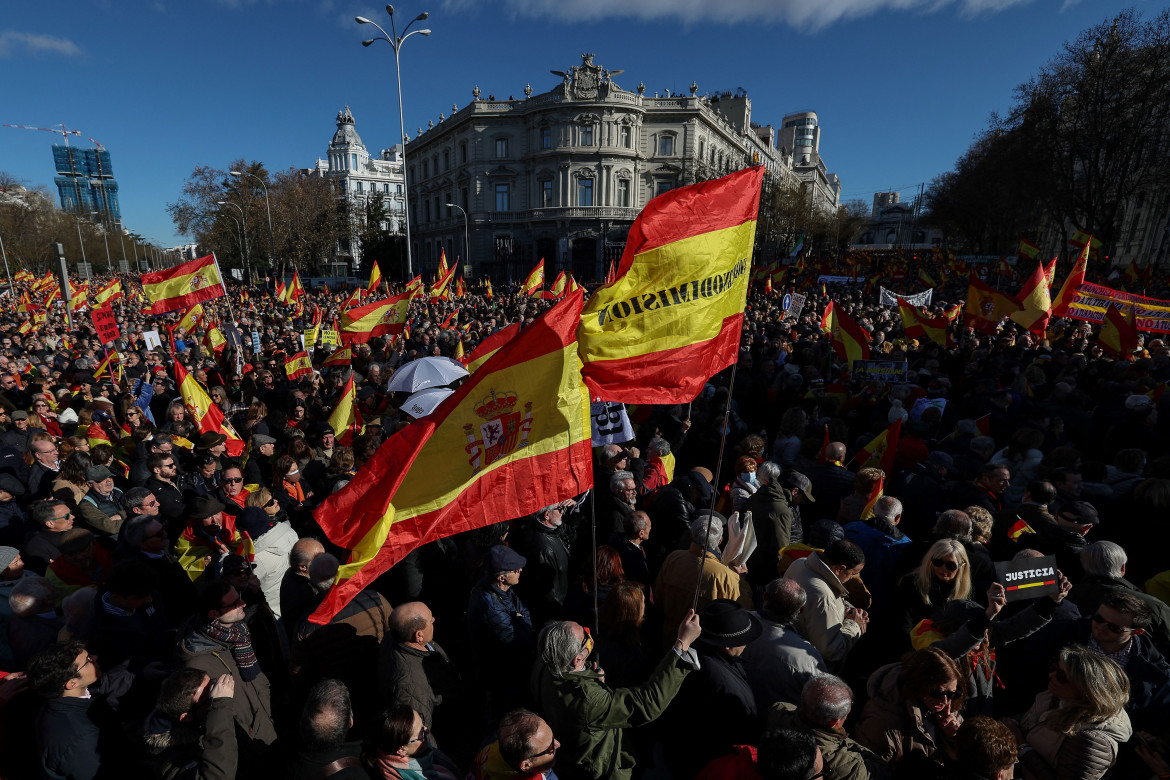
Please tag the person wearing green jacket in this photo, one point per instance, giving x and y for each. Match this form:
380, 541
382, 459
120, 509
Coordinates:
589, 715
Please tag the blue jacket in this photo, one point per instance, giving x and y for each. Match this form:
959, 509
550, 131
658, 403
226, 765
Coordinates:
1149, 679
883, 557
501, 626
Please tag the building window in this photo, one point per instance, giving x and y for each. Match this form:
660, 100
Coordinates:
398, 189
466, 198
623, 193
661, 187
446, 160
353, 161
585, 192
426, 170
624, 137
427, 210
343, 186
386, 188
503, 197
501, 147
587, 135
359, 187
546, 193
546, 138
665, 145
463, 151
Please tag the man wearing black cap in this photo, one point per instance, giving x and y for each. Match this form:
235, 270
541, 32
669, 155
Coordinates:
1064, 538
501, 629
719, 689
19, 435
258, 469
205, 541
213, 443
101, 507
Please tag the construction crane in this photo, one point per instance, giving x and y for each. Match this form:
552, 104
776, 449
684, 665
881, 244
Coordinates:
64, 131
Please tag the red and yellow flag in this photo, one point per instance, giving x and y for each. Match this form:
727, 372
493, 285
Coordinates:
880, 452
184, 285
346, 420
850, 341
415, 287
918, 326
672, 317
110, 293
488, 291
1027, 249
190, 319
513, 438
535, 279
926, 279
442, 263
208, 417
490, 346
1035, 303
295, 290
341, 357
986, 306
380, 318
298, 366
376, 277
874, 495
1119, 333
1019, 528
1050, 273
442, 285
559, 286
1072, 283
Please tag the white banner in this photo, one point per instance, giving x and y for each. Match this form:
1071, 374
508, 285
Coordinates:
611, 425
890, 298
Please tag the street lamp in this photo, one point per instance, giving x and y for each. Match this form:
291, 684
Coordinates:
466, 237
396, 43
105, 238
80, 240
243, 231
268, 206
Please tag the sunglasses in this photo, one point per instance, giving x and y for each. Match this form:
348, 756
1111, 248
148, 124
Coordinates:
948, 565
232, 479
941, 694
551, 750
422, 734
1111, 626
271, 502
1060, 675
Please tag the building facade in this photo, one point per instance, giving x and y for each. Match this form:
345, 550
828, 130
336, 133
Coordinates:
562, 175
85, 183
359, 177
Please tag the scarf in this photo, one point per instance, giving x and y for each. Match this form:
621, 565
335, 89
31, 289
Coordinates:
240, 638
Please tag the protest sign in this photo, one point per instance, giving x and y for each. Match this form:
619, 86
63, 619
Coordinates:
922, 404
611, 425
152, 339
105, 324
1028, 578
890, 298
328, 338
795, 305
889, 371
256, 342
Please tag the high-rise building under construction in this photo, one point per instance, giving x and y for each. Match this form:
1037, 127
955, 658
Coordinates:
85, 182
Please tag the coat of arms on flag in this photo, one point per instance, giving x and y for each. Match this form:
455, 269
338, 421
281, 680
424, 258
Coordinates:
504, 431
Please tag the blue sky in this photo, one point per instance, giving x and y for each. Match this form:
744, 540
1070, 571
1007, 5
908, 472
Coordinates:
900, 86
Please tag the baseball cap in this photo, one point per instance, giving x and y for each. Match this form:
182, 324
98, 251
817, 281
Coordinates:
1079, 512
794, 479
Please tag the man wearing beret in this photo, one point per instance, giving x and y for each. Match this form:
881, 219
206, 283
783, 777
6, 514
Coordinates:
501, 629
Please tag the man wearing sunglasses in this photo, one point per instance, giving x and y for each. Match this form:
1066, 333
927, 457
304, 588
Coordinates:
1105, 568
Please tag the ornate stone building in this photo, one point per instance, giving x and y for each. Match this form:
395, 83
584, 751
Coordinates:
561, 175
358, 176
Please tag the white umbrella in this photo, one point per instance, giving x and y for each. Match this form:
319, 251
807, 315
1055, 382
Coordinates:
425, 372
424, 402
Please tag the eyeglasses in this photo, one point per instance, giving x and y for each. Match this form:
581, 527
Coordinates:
239, 602
942, 694
422, 734
948, 565
1060, 675
551, 750
232, 479
153, 503
89, 659
271, 502
1111, 626
170, 465
66, 516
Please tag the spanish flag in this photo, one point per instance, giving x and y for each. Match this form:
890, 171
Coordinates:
850, 341
1085, 242
190, 319
1027, 249
295, 290
298, 366
110, 293
184, 285
880, 452
488, 292
673, 315
346, 420
1050, 273
490, 346
1035, 303
341, 357
535, 279
79, 297
513, 438
768, 285
558, 286
442, 263
919, 326
442, 286
1072, 283
925, 278
415, 287
1019, 528
986, 306
874, 495
1119, 334
207, 416
376, 277
282, 292
459, 352
379, 318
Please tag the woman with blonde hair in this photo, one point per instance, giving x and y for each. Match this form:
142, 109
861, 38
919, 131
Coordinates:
1074, 728
943, 576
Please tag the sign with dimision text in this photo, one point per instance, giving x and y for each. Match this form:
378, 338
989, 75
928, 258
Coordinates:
105, 324
1029, 578
611, 425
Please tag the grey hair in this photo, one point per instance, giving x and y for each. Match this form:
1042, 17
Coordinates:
615, 482
557, 647
132, 499
700, 534
323, 570
953, 522
610, 451
887, 508
767, 472
1026, 554
825, 698
1104, 559
784, 599
327, 715
658, 447
32, 596
635, 524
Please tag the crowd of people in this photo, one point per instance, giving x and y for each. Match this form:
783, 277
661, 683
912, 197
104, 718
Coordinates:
155, 590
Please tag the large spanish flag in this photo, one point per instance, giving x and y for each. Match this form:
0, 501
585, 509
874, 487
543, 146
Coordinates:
513, 438
110, 293
918, 326
1119, 334
184, 285
1072, 283
672, 317
849, 340
443, 285
535, 279
208, 417
298, 366
380, 318
986, 306
1035, 302
346, 420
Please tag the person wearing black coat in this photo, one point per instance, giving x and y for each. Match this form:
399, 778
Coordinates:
832, 482
719, 689
545, 584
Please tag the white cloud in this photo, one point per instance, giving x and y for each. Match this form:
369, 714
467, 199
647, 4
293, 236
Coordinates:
15, 44
800, 14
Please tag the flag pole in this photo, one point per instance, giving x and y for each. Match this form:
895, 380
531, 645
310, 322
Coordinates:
223, 284
715, 488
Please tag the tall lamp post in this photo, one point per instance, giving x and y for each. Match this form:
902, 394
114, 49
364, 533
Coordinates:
466, 235
268, 206
243, 231
106, 239
396, 42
